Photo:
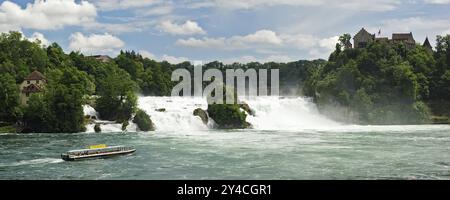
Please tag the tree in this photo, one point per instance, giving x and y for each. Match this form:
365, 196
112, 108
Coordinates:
9, 99
344, 40
376, 84
57, 56
127, 62
59, 109
37, 115
117, 100
439, 83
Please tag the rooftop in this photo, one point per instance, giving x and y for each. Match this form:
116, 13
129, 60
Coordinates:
35, 75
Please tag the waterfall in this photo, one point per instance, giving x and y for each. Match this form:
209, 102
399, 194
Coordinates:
286, 113
271, 113
177, 112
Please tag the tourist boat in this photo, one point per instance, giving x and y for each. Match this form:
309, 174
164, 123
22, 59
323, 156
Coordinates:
96, 151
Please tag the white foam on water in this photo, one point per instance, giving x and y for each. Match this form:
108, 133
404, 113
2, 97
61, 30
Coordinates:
32, 162
111, 127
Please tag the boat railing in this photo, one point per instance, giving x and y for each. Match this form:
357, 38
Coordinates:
98, 151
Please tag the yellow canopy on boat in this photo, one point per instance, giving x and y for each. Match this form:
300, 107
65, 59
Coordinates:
98, 146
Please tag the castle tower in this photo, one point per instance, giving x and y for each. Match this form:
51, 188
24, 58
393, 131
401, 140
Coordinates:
427, 45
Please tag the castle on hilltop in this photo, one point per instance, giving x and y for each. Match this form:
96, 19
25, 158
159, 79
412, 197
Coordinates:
364, 38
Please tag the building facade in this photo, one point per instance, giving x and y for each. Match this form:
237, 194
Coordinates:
406, 38
33, 83
363, 38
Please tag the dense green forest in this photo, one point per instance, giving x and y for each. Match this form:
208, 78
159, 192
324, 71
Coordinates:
384, 83
373, 85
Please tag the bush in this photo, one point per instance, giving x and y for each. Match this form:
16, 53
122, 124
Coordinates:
143, 121
228, 116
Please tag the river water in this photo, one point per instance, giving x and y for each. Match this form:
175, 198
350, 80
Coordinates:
290, 140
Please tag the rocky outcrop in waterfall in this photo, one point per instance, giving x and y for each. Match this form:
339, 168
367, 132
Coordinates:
160, 110
143, 121
244, 106
97, 128
202, 114
228, 116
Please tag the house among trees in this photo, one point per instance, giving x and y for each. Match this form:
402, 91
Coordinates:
33, 83
364, 38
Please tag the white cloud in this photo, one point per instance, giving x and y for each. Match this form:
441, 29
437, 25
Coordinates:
365, 5
414, 24
95, 43
118, 28
147, 54
437, 1
165, 57
188, 28
329, 43
173, 59
266, 41
157, 10
203, 43
300, 41
265, 59
325, 47
4, 28
123, 4
250, 4
259, 38
40, 37
46, 15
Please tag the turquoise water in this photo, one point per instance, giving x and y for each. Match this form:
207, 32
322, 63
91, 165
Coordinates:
348, 152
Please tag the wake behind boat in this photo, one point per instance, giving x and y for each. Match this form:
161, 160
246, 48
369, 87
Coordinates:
97, 151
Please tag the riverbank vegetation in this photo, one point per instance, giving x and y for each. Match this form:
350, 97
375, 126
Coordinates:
380, 84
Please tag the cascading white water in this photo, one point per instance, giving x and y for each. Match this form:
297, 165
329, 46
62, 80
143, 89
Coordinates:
286, 113
177, 114
272, 113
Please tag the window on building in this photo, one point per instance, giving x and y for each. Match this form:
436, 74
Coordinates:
37, 82
28, 82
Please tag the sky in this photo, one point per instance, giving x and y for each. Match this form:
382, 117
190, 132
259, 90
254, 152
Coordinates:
224, 30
